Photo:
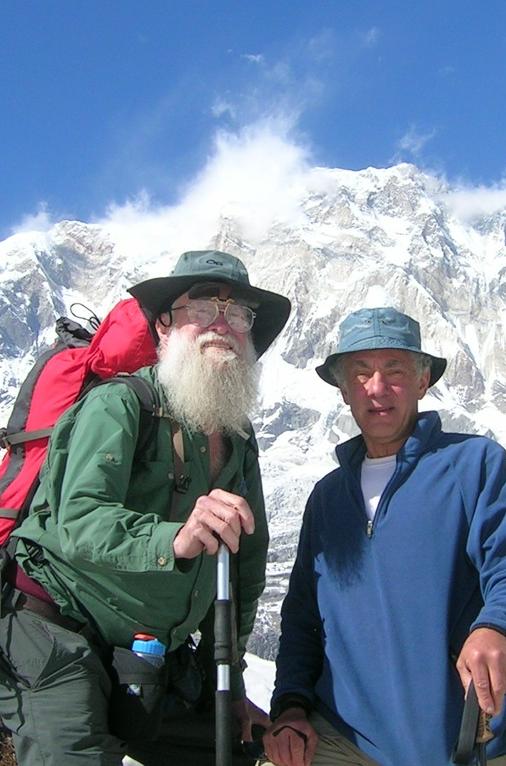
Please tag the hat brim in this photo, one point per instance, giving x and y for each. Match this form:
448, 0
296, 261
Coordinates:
272, 310
437, 367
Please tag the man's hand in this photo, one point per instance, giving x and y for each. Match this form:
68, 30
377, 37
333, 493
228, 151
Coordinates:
247, 714
483, 659
217, 517
291, 740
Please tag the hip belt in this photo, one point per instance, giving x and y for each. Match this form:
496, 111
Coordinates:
48, 611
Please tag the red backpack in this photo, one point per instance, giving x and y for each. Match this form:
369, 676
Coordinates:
123, 343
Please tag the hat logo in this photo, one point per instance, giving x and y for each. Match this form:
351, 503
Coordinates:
214, 263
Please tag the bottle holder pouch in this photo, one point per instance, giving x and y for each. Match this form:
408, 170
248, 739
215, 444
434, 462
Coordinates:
185, 675
137, 698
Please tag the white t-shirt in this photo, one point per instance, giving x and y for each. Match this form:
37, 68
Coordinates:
375, 475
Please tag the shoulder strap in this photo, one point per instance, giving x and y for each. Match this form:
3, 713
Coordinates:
182, 480
149, 402
9, 440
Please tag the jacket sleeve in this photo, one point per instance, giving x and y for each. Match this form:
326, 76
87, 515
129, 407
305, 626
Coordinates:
86, 479
299, 661
486, 546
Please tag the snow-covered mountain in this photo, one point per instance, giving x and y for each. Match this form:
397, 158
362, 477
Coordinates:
374, 237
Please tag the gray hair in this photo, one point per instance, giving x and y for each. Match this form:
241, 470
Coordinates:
337, 370
421, 361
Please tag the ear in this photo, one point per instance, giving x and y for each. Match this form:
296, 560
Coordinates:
161, 328
344, 394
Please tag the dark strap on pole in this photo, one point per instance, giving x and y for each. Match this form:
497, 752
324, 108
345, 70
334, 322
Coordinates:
474, 733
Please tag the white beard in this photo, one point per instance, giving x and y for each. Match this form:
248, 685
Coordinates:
210, 390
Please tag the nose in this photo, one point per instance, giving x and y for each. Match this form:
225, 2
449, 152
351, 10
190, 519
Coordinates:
377, 384
220, 324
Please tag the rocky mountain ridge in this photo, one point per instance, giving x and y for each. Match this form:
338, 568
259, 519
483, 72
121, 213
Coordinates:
371, 237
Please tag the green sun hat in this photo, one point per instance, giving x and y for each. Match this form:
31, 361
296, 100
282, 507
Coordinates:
371, 329
212, 266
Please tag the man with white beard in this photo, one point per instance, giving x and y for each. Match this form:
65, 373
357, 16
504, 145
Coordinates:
120, 542
210, 379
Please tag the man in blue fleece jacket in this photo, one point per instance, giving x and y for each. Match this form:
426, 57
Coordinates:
397, 597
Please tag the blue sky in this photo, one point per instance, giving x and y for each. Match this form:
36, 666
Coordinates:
107, 101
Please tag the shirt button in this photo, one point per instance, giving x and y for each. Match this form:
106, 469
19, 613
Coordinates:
170, 475
203, 449
195, 594
162, 561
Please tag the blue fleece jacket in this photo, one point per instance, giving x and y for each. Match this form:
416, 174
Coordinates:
375, 616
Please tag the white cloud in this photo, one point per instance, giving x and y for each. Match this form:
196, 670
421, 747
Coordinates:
255, 58
223, 107
468, 202
322, 46
293, 82
257, 175
413, 141
41, 220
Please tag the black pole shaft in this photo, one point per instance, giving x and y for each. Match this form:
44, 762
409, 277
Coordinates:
223, 728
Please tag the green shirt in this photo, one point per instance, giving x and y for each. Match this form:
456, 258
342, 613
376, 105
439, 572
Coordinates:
105, 520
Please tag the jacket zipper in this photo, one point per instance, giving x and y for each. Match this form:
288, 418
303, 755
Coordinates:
385, 499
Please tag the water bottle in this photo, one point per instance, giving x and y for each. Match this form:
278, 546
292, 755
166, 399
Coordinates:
150, 649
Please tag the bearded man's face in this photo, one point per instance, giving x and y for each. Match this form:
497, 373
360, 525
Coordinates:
209, 374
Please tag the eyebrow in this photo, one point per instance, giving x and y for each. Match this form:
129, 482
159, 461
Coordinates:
362, 364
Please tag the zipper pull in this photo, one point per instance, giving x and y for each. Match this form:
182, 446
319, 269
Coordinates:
369, 528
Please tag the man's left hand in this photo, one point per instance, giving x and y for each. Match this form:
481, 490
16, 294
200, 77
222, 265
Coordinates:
247, 714
483, 659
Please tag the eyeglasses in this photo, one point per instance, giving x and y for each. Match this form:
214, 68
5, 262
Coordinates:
204, 312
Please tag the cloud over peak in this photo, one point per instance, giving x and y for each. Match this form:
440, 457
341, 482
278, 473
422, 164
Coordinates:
257, 175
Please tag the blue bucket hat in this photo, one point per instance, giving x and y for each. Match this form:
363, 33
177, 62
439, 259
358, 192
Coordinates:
370, 329
211, 266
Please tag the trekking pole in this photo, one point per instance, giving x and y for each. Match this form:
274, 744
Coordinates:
223, 659
474, 733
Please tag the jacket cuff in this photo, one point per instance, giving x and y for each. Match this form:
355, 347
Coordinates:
489, 625
286, 701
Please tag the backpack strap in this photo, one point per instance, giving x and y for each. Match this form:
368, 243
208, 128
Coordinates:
181, 477
149, 401
9, 440
151, 408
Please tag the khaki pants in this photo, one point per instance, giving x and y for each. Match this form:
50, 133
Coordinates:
335, 750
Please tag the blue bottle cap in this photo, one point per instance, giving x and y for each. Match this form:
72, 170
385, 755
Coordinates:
150, 646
